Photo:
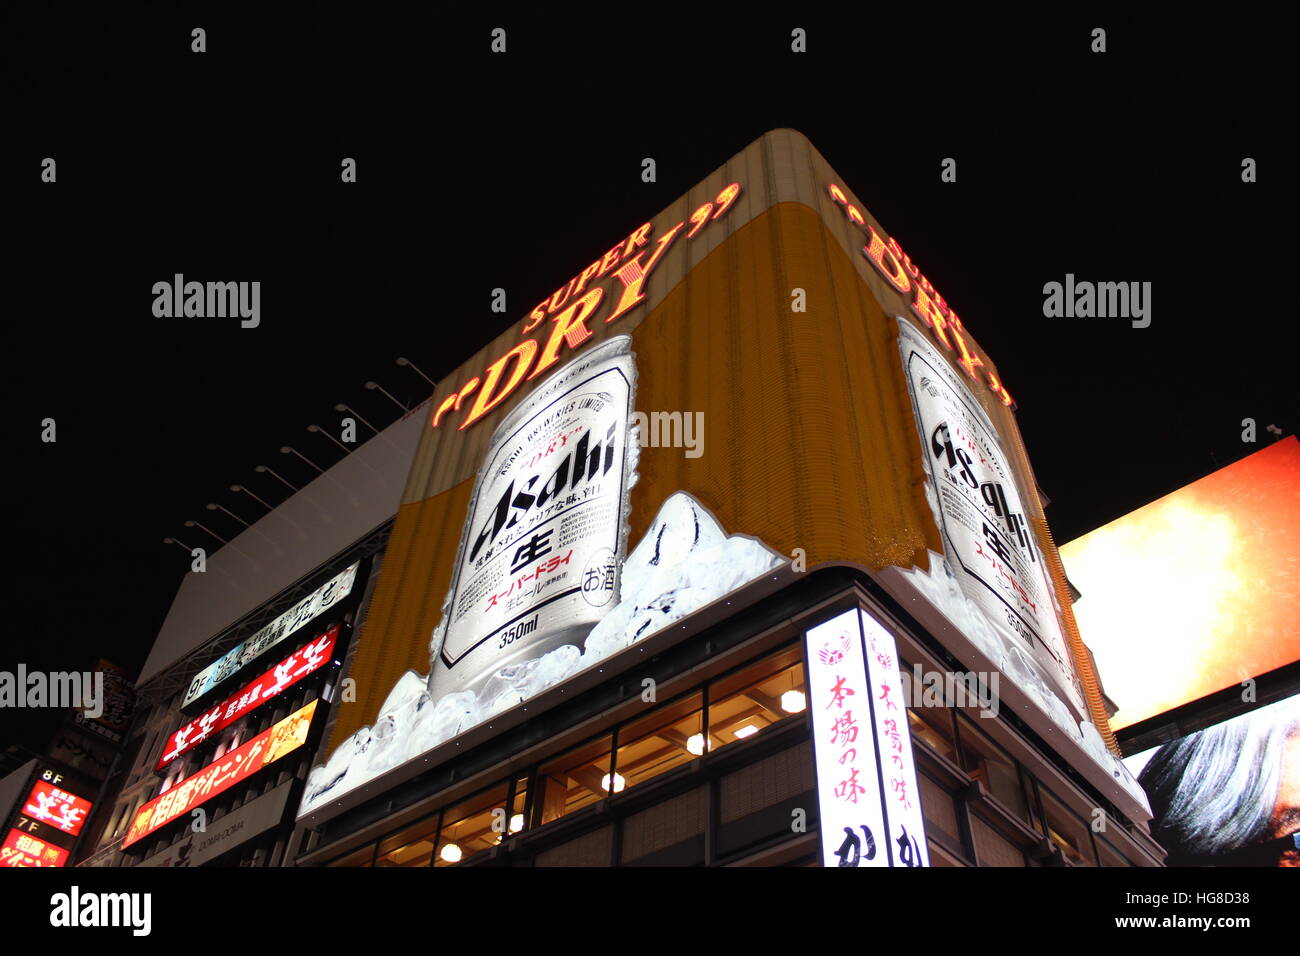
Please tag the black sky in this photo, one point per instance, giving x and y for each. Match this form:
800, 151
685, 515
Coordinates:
478, 170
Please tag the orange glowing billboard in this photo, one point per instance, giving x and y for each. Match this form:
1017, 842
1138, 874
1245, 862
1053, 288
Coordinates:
1196, 591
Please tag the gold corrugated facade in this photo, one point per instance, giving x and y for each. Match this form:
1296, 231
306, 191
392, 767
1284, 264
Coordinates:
809, 437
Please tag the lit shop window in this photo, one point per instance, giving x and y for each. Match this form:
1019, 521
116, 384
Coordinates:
664, 739
472, 826
763, 694
412, 846
1067, 831
576, 780
518, 808
993, 766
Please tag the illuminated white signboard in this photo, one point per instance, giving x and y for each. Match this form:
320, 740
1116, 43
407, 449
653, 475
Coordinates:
869, 804
315, 604
987, 536
539, 558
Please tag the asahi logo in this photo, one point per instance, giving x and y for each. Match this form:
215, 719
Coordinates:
584, 463
547, 525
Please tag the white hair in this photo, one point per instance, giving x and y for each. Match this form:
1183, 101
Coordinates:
1215, 790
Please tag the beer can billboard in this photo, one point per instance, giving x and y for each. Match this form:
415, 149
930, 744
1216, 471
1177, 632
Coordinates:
811, 443
540, 553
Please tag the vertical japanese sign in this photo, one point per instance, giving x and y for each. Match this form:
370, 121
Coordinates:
894, 744
987, 536
539, 558
868, 802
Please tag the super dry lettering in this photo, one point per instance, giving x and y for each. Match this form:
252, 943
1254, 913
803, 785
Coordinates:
571, 308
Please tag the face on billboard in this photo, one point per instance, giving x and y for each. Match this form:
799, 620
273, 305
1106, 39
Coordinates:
1197, 591
1229, 795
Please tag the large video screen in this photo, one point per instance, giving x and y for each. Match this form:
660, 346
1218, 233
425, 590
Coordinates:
1196, 591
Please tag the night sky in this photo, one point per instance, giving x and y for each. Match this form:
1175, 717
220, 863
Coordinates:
478, 170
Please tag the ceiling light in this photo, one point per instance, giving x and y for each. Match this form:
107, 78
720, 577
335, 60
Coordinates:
793, 701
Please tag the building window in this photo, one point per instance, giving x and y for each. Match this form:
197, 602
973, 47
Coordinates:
756, 803
991, 847
757, 697
940, 809
575, 780
519, 806
591, 849
363, 856
992, 766
1067, 831
472, 826
666, 738
412, 846
1109, 855
670, 833
934, 726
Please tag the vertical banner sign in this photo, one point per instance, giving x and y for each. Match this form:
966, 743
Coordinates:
894, 744
867, 800
986, 534
539, 558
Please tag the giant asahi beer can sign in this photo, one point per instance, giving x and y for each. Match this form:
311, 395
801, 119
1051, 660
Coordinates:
989, 541
540, 555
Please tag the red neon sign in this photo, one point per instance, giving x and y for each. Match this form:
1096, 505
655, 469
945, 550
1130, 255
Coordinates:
301, 663
222, 774
57, 808
570, 308
23, 849
928, 305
